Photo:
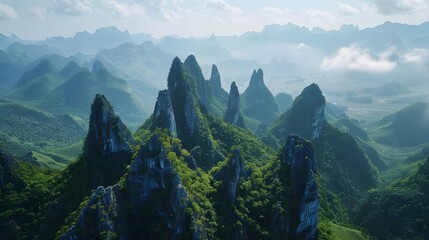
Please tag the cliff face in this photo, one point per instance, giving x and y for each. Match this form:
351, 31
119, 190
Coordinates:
152, 179
299, 221
216, 85
163, 115
258, 101
100, 218
203, 90
105, 155
233, 114
107, 148
230, 176
306, 116
191, 116
184, 103
107, 134
151, 205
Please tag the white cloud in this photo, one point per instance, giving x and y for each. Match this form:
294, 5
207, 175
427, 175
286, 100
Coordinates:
346, 9
399, 7
220, 5
38, 12
313, 13
7, 12
358, 59
416, 56
273, 11
275, 15
123, 10
71, 7
166, 10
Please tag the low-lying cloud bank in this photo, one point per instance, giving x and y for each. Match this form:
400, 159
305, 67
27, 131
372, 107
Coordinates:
355, 58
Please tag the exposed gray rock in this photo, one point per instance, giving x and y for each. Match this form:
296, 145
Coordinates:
258, 102
301, 216
233, 114
191, 117
107, 134
215, 77
101, 213
163, 115
230, 175
152, 173
216, 85
306, 117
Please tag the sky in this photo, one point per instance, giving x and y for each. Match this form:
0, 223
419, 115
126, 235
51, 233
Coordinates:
38, 19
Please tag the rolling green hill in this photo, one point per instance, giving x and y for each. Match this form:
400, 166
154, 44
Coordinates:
33, 135
406, 128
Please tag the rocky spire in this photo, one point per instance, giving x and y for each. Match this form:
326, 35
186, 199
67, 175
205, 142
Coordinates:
163, 115
233, 114
102, 213
176, 80
230, 176
257, 79
302, 201
258, 101
151, 175
234, 98
185, 105
203, 90
107, 134
215, 77
306, 117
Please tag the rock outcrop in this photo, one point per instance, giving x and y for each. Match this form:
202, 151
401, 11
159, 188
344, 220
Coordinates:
203, 90
151, 179
184, 103
107, 134
299, 221
191, 116
215, 77
216, 85
230, 176
233, 114
100, 218
258, 101
105, 155
163, 115
306, 117
226, 195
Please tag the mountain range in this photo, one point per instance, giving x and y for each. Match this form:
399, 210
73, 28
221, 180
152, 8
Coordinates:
266, 135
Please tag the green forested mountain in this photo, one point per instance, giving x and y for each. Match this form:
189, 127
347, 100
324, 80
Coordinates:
405, 128
193, 170
257, 100
398, 211
37, 82
345, 170
39, 137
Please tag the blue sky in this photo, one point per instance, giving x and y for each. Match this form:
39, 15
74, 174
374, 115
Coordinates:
37, 19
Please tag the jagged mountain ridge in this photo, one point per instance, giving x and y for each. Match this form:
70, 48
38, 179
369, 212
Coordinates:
258, 101
334, 149
105, 154
163, 171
